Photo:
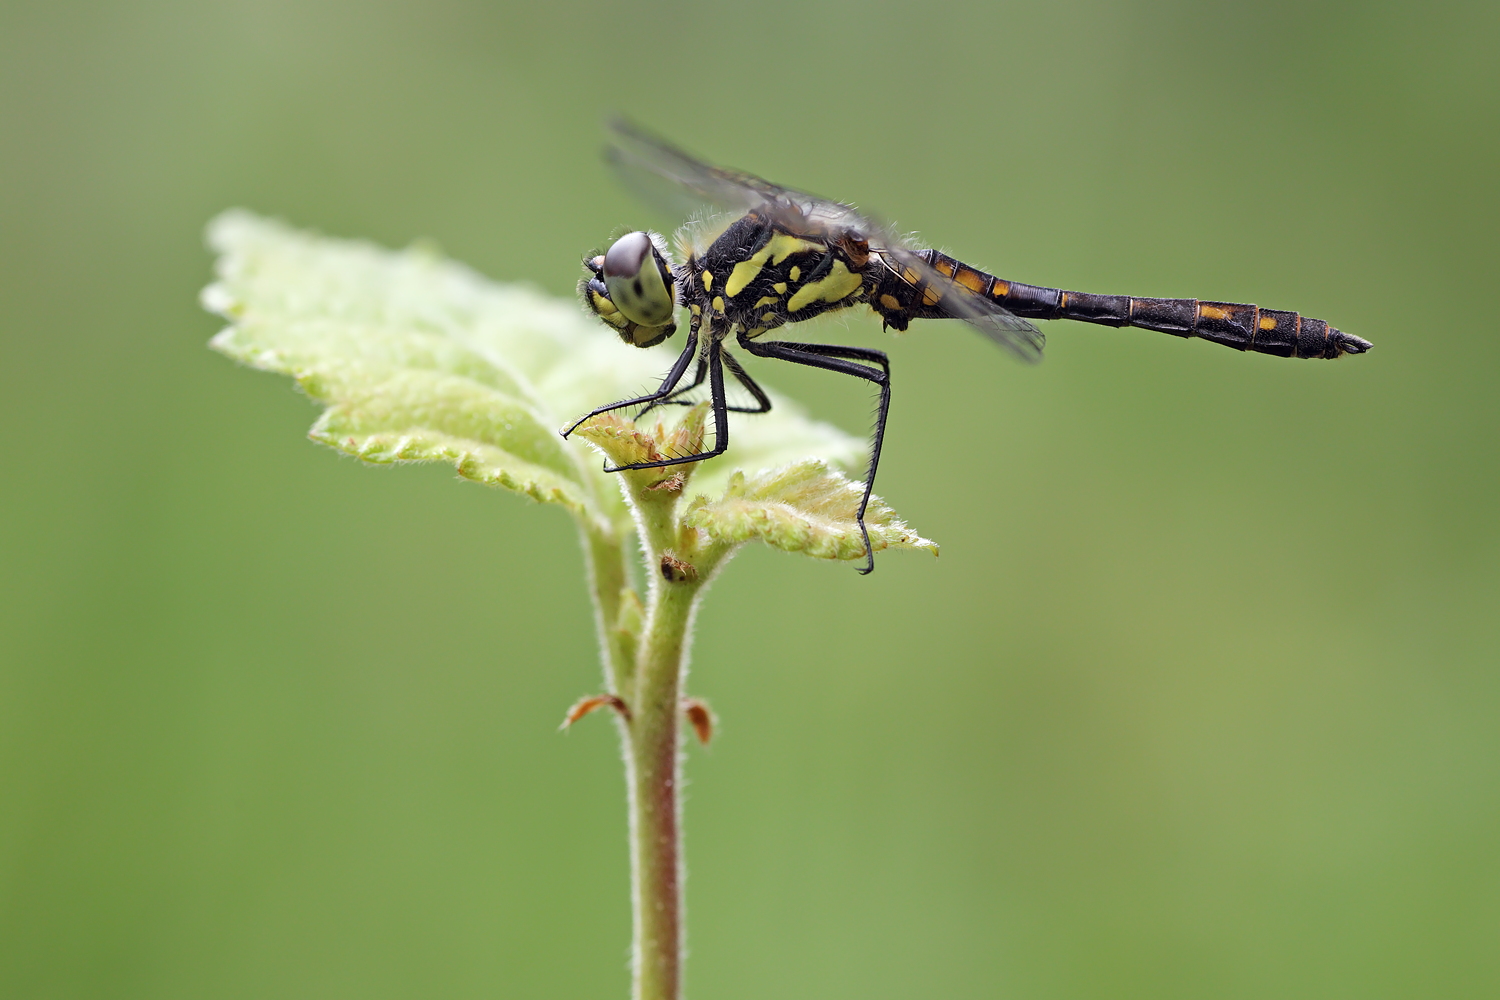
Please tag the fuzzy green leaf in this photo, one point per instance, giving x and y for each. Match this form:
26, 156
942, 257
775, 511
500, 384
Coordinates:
418, 358
803, 507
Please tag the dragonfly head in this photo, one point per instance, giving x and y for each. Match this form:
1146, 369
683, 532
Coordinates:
631, 287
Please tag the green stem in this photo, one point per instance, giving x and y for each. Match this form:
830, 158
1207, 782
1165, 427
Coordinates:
648, 674
654, 774
646, 655
679, 562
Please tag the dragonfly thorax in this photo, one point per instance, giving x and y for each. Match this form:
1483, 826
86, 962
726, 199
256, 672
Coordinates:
759, 275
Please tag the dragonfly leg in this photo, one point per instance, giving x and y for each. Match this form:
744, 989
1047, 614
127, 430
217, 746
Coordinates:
663, 391
673, 398
715, 358
763, 402
861, 362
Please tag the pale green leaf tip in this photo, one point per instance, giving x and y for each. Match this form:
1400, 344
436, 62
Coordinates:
418, 359
802, 507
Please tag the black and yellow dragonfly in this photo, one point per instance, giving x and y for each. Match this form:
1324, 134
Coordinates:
775, 256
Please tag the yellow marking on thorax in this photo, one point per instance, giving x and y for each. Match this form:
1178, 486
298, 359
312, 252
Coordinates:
890, 302
795, 273
783, 246
765, 300
718, 303
839, 283
745, 271
1268, 322
708, 281
780, 287
777, 249
1206, 311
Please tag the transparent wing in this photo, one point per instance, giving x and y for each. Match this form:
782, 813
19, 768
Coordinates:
1023, 340
635, 152
644, 160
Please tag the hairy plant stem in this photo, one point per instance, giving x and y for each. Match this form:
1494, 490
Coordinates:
646, 656
654, 775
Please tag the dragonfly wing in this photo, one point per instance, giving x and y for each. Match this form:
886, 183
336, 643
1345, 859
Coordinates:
1024, 341
636, 152
653, 167
662, 173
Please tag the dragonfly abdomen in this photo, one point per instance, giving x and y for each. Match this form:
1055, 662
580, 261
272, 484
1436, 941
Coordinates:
1239, 325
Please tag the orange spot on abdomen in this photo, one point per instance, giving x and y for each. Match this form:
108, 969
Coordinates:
970, 279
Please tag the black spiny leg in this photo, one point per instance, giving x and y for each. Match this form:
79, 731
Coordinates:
674, 397
762, 401
743, 378
663, 391
721, 416
833, 358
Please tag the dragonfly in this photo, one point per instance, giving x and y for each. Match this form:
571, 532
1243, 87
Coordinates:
770, 256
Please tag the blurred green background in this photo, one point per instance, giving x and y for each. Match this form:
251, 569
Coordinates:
1202, 698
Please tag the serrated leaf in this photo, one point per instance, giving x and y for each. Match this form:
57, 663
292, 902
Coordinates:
418, 358
803, 507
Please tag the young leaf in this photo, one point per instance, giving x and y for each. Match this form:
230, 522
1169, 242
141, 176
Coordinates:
803, 507
417, 358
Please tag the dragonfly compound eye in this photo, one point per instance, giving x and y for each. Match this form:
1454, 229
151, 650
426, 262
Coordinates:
639, 280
